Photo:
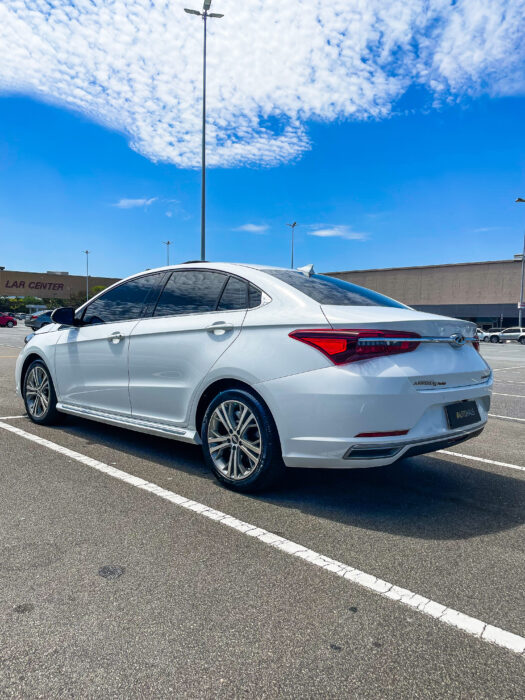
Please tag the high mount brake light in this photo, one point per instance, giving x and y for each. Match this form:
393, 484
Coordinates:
352, 345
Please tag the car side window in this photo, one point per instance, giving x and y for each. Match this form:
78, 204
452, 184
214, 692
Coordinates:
122, 303
254, 297
191, 292
234, 295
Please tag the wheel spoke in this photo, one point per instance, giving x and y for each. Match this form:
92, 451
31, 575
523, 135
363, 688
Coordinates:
224, 417
254, 458
219, 446
230, 462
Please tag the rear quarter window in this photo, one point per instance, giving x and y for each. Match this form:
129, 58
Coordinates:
332, 291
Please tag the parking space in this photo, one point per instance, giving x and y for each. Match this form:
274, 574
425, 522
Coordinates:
199, 607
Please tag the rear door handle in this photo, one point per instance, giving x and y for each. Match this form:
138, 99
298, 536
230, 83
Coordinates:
115, 337
220, 328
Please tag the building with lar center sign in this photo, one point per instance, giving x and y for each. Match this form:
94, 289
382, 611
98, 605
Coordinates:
484, 292
47, 285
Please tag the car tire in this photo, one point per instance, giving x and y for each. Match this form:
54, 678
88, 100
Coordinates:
522, 340
9, 324
240, 442
39, 394
494, 339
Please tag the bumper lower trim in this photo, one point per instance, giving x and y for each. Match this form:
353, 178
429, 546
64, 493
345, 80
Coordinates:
415, 447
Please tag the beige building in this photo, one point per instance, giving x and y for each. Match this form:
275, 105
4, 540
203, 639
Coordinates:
47, 285
484, 292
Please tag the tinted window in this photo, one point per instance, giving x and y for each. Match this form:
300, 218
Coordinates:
122, 303
234, 296
512, 330
329, 290
254, 297
190, 292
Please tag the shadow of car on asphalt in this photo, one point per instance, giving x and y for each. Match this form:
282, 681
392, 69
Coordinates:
424, 497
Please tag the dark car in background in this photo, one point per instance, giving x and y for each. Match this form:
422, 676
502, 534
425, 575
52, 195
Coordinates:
36, 321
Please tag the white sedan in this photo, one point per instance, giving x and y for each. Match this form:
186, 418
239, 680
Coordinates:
265, 367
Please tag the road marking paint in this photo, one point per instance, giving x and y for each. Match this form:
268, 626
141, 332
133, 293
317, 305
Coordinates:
11, 417
493, 415
2, 357
516, 396
500, 369
482, 459
470, 625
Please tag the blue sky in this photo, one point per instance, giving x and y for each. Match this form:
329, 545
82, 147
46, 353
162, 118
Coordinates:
396, 171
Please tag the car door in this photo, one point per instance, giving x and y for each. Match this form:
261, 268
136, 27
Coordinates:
91, 361
510, 334
198, 315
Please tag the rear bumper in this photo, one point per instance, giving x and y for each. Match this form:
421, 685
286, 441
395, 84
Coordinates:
320, 413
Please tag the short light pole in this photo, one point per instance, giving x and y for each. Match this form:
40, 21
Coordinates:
167, 244
292, 226
520, 200
87, 252
204, 14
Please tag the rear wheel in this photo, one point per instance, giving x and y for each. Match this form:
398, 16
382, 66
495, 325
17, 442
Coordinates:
240, 441
9, 324
39, 394
522, 340
494, 339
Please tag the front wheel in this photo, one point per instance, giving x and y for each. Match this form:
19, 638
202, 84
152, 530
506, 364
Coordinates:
494, 339
240, 441
39, 394
9, 324
522, 340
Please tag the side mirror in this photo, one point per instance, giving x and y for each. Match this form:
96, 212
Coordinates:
65, 316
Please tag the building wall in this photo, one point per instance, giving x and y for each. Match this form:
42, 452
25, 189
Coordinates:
493, 283
48, 286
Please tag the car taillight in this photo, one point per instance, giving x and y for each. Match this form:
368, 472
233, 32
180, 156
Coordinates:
352, 345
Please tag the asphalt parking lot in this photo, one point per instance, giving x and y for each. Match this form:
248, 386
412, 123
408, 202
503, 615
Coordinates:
110, 587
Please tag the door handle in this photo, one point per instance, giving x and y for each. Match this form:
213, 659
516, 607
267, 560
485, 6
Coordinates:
115, 337
220, 328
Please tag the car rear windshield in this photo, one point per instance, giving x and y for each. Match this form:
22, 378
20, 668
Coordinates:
330, 290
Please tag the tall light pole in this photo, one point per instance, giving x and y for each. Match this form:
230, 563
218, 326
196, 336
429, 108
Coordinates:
204, 14
520, 200
87, 252
292, 226
167, 244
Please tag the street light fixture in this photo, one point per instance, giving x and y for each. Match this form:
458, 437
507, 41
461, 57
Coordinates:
167, 244
87, 252
520, 200
204, 14
292, 226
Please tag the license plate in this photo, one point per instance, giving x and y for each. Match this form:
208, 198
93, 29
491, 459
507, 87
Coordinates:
462, 413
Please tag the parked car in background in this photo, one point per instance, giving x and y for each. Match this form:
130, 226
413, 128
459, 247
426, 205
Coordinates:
264, 367
7, 320
517, 334
487, 336
39, 320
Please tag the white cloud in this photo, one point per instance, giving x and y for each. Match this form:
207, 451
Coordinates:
135, 66
252, 228
338, 232
131, 203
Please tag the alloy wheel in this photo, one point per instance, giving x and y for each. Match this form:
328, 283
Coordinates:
37, 392
234, 440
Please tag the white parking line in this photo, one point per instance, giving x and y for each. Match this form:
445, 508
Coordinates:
482, 459
11, 417
500, 369
516, 396
470, 625
494, 415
